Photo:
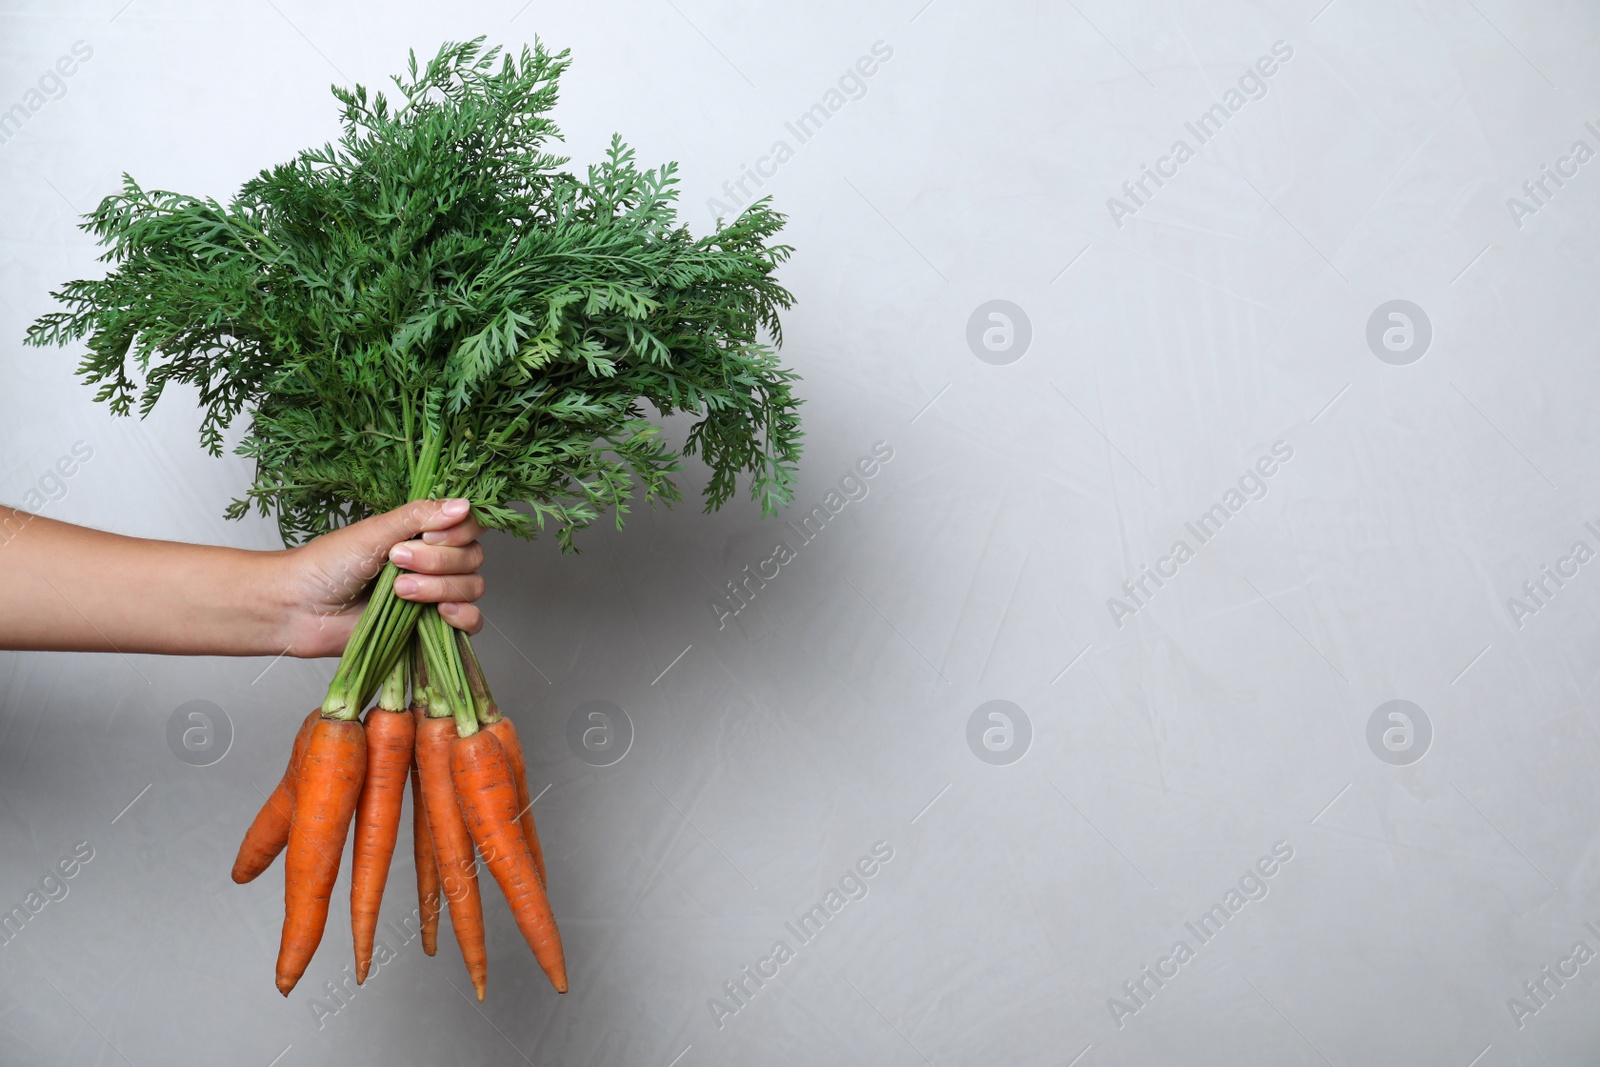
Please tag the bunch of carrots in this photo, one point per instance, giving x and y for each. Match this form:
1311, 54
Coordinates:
433, 307
469, 798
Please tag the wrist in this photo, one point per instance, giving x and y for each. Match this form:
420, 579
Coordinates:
267, 581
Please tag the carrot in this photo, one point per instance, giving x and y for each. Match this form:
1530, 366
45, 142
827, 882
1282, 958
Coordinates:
488, 800
427, 867
390, 738
270, 830
506, 732
427, 864
452, 846
326, 788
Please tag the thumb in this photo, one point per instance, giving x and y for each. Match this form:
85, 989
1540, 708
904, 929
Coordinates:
381, 532
371, 539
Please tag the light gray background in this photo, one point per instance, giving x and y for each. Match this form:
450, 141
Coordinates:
1168, 754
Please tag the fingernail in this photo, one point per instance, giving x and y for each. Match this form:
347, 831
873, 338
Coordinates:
455, 508
449, 609
400, 555
405, 585
433, 537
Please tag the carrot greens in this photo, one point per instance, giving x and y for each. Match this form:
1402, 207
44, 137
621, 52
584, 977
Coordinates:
431, 307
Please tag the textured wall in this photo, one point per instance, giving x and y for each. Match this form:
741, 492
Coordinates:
1196, 500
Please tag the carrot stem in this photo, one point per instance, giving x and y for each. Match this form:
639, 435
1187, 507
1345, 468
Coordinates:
449, 694
387, 621
483, 700
419, 674
392, 697
373, 649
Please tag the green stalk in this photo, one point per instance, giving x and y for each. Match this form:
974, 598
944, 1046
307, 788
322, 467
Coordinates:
386, 622
438, 695
419, 674
448, 691
405, 413
488, 710
392, 697
389, 642
345, 697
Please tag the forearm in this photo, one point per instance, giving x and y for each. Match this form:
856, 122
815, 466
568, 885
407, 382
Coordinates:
69, 588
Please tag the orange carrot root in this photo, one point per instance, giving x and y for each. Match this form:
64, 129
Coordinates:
269, 832
452, 845
390, 737
427, 864
503, 729
326, 790
488, 801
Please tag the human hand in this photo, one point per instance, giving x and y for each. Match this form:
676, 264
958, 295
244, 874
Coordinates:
326, 579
